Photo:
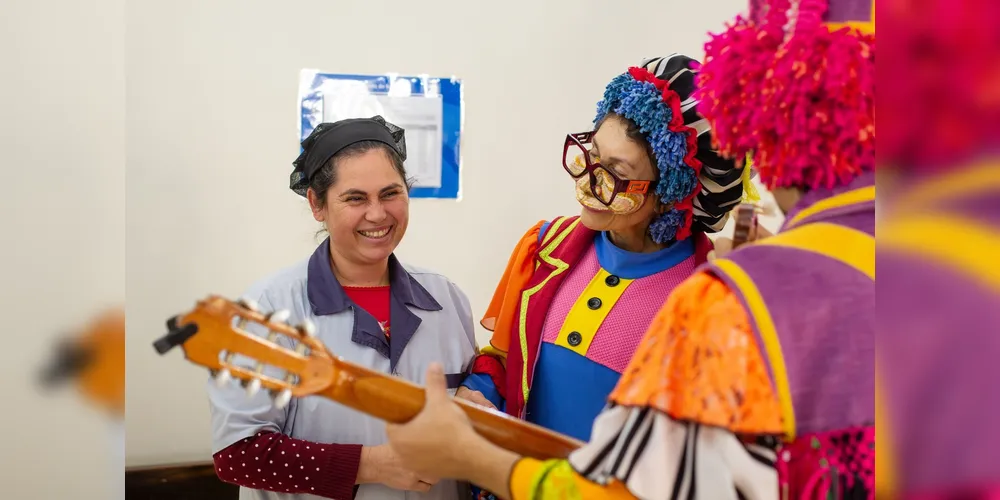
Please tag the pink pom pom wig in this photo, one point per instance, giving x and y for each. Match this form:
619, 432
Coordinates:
793, 86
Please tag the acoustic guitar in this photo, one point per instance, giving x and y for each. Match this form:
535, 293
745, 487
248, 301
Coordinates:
214, 333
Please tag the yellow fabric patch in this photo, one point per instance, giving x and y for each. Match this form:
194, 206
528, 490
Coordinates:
965, 183
866, 27
843, 244
586, 321
957, 242
496, 353
859, 195
750, 193
522, 478
556, 480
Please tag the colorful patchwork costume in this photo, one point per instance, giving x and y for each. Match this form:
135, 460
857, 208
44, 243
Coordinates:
572, 307
756, 378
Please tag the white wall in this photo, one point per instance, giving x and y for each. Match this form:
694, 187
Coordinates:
62, 194
211, 133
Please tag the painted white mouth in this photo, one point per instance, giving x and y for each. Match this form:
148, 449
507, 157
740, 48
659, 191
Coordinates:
376, 234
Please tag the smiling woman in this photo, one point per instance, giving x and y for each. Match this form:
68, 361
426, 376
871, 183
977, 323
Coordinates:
353, 289
360, 195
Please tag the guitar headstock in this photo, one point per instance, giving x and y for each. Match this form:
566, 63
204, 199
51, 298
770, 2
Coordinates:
214, 334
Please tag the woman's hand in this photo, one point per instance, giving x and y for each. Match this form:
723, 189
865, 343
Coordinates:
381, 464
474, 397
435, 443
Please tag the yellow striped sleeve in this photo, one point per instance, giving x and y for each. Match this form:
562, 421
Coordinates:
522, 479
533, 479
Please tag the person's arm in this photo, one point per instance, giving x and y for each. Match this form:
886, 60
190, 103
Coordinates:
480, 388
251, 426
639, 452
275, 462
488, 372
249, 448
696, 383
555, 479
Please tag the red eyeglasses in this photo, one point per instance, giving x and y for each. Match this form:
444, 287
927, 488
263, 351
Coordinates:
575, 148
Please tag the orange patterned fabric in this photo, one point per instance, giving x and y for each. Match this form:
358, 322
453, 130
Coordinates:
700, 361
499, 317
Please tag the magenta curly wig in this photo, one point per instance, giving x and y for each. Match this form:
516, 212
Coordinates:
795, 91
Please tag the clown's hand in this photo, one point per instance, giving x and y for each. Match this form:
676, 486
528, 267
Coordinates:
723, 246
474, 397
434, 443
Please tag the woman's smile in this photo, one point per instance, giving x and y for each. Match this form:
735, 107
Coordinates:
378, 234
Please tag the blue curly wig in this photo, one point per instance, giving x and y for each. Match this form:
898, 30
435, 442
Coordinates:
643, 104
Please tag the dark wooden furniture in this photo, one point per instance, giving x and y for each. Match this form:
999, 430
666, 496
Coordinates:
189, 481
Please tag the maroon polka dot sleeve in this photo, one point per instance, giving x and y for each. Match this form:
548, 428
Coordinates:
275, 462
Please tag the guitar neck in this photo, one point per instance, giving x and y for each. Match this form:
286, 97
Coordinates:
395, 400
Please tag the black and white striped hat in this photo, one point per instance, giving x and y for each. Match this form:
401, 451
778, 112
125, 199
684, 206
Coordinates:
720, 180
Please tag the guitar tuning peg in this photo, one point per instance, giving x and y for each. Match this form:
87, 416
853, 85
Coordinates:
253, 387
308, 328
249, 304
283, 398
280, 316
223, 377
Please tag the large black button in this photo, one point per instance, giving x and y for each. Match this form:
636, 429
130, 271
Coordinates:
612, 280
574, 338
594, 303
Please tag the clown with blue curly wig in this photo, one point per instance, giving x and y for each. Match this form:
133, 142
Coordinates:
657, 178
579, 292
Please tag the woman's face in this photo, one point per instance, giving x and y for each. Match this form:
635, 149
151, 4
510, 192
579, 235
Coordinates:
628, 160
367, 209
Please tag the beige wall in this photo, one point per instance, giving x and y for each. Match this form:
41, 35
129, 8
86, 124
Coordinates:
62, 199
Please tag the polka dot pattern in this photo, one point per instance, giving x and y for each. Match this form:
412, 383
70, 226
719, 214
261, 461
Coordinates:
327, 470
